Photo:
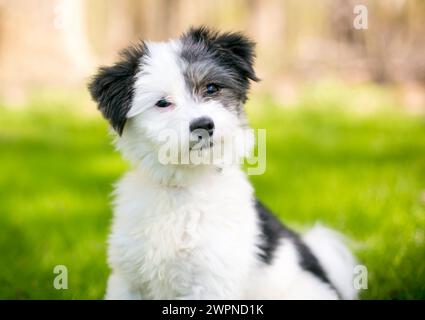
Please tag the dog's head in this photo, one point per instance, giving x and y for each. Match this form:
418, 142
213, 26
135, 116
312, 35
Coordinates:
193, 87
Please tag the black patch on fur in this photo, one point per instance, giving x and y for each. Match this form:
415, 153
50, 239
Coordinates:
113, 86
273, 231
232, 54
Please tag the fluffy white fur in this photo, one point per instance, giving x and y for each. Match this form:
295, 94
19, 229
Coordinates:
192, 232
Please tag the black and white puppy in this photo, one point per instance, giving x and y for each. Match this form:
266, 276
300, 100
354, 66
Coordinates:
194, 230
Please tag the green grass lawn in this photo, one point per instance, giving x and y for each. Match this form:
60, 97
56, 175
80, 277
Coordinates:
363, 174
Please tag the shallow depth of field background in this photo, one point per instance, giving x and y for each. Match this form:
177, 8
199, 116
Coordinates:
344, 111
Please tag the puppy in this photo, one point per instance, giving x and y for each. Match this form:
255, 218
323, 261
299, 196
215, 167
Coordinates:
194, 229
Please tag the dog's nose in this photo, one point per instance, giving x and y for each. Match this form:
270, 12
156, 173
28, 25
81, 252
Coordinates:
204, 123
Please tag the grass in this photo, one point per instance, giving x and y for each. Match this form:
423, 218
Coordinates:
363, 174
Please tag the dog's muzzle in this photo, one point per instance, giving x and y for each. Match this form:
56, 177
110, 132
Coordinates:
201, 131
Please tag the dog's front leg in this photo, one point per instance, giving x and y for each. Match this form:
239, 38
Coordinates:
120, 288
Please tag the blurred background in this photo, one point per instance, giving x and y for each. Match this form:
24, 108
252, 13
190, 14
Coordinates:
344, 109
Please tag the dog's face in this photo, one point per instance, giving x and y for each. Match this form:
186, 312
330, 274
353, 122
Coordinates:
186, 94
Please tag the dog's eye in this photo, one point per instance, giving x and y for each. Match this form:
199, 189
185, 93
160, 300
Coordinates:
212, 88
163, 103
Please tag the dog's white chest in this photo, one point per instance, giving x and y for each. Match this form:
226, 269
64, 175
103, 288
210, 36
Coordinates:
175, 243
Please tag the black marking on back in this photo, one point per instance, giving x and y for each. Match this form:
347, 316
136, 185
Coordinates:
113, 86
273, 231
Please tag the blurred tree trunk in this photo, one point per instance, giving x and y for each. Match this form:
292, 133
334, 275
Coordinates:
46, 46
74, 35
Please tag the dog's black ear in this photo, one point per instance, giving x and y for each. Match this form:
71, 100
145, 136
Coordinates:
233, 48
242, 51
112, 87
